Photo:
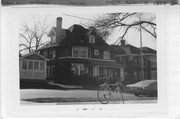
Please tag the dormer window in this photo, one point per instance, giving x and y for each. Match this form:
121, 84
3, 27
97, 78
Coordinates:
53, 39
91, 39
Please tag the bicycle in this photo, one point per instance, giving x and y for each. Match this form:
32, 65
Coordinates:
107, 92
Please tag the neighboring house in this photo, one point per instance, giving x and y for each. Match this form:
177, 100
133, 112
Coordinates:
32, 66
130, 57
78, 51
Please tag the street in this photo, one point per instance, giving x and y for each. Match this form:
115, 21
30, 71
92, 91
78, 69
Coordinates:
77, 96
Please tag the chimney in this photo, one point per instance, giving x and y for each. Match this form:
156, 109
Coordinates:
122, 42
59, 23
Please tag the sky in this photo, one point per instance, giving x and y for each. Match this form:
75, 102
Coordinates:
132, 37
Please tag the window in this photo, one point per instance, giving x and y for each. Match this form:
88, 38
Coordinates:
38, 52
83, 52
75, 51
154, 74
153, 63
24, 64
45, 53
91, 39
96, 52
107, 55
145, 63
36, 65
41, 65
30, 65
80, 52
53, 39
52, 53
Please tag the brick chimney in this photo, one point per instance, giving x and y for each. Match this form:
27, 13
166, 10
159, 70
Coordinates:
123, 43
59, 23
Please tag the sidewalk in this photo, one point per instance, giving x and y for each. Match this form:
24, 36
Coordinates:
95, 102
66, 86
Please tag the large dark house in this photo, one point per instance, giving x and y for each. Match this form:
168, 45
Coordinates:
78, 54
130, 57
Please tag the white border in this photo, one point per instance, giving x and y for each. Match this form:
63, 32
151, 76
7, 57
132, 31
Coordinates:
10, 74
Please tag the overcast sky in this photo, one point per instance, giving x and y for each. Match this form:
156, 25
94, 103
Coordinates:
132, 37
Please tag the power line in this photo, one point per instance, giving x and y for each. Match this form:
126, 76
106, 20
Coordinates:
79, 17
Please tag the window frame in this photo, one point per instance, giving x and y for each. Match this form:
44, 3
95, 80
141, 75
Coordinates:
105, 52
53, 39
80, 51
45, 53
33, 65
26, 64
92, 39
37, 65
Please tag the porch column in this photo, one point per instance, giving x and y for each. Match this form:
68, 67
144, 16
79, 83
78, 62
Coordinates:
122, 73
95, 70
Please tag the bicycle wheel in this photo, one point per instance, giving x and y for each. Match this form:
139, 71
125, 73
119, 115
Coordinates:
117, 95
103, 95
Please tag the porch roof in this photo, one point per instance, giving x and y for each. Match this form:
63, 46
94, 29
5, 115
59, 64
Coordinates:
90, 61
105, 63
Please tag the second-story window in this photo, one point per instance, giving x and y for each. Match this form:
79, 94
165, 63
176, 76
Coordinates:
153, 63
52, 53
53, 39
96, 52
45, 53
75, 51
106, 55
91, 39
80, 52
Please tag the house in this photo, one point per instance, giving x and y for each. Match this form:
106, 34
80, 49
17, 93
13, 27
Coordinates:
130, 57
32, 67
78, 52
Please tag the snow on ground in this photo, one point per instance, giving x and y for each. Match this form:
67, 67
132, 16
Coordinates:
76, 94
46, 93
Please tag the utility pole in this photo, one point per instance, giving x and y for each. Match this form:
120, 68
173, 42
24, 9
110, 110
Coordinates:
141, 54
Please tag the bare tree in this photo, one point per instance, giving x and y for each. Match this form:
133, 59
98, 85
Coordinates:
108, 23
31, 35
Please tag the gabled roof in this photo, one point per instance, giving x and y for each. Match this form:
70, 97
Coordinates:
77, 35
52, 30
130, 49
28, 56
147, 50
48, 45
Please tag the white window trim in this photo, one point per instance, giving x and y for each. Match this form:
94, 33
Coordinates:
79, 51
39, 70
34, 66
108, 55
92, 40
